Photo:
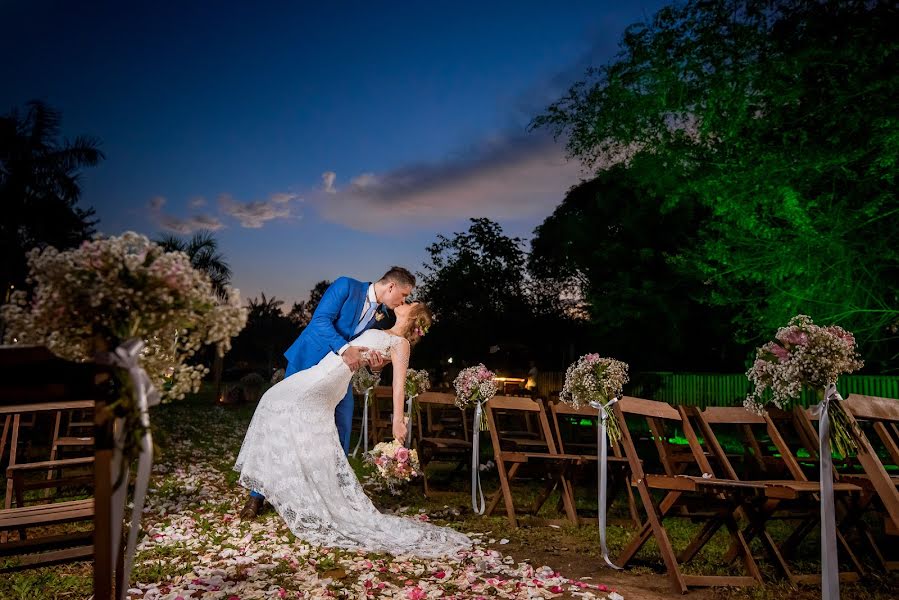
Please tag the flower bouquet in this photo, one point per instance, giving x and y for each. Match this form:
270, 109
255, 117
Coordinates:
90, 300
417, 381
594, 381
475, 385
365, 379
394, 464
805, 354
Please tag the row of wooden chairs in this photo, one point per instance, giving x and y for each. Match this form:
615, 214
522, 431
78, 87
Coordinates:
683, 463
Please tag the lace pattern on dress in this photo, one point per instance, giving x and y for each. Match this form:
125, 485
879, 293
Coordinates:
292, 455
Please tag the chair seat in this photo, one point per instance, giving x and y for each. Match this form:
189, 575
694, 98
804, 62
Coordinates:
46, 514
446, 443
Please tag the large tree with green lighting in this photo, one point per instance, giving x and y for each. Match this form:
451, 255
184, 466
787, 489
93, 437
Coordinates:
780, 119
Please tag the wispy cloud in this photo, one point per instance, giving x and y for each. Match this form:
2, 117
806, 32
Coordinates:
256, 213
511, 177
197, 202
183, 226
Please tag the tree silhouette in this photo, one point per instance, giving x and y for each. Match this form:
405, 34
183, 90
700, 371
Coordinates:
40, 187
202, 249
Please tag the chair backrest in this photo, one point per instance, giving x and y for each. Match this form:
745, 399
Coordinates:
729, 430
664, 455
439, 417
499, 408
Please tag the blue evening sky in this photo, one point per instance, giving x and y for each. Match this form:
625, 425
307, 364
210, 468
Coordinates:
316, 141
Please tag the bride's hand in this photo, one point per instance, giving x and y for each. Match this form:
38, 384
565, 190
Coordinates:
400, 428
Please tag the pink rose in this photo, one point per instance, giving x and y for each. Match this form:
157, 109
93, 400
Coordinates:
780, 352
402, 454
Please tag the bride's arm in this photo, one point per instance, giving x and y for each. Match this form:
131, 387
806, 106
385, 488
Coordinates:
399, 355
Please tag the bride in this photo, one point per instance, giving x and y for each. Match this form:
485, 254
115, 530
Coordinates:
292, 454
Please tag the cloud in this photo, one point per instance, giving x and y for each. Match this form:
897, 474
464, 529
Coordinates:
179, 225
328, 178
517, 176
197, 202
257, 213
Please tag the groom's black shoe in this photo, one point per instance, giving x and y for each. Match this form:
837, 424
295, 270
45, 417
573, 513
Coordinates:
251, 508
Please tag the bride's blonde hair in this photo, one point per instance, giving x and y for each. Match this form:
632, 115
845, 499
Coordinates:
420, 320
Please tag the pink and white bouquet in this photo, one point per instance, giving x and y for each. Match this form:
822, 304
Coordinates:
92, 298
594, 380
394, 464
475, 385
803, 354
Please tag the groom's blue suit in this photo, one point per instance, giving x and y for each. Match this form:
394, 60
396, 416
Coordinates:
332, 326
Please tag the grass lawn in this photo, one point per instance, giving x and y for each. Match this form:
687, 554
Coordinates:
196, 547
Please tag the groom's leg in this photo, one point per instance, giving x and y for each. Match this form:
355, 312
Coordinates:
343, 415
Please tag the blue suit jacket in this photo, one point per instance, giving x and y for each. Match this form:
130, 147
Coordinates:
332, 325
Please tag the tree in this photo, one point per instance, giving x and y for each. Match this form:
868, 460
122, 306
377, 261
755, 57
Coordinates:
778, 117
40, 188
268, 333
609, 241
202, 249
301, 312
476, 285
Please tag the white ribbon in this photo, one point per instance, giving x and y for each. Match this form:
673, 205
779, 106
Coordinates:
409, 420
126, 356
603, 474
830, 567
476, 489
364, 426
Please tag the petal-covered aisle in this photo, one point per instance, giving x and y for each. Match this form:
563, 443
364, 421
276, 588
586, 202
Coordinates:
197, 548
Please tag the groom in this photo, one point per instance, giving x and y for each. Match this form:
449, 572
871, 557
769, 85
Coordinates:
347, 308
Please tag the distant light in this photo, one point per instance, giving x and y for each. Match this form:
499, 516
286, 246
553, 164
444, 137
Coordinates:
450, 360
12, 287
15, 340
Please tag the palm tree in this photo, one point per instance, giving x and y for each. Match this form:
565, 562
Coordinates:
202, 249
40, 188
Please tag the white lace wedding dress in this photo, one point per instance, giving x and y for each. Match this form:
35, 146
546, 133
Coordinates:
292, 455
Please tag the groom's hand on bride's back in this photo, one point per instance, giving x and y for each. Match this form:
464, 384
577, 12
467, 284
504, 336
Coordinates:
353, 358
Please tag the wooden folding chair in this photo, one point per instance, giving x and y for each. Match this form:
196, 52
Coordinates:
877, 419
576, 433
788, 493
513, 453
441, 432
689, 490
32, 379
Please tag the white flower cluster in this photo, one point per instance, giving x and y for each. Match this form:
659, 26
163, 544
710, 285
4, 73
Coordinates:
802, 354
365, 379
108, 290
593, 378
417, 381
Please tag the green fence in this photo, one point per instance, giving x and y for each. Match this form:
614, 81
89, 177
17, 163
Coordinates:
697, 389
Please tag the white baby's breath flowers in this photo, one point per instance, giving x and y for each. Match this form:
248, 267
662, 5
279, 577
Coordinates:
108, 290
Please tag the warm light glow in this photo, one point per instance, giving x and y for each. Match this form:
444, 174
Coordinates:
449, 360
510, 379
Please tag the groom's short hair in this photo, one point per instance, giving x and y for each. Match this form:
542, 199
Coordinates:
399, 276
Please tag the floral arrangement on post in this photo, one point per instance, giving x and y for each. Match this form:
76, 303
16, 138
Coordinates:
805, 354
394, 464
595, 381
417, 381
91, 299
365, 379
475, 385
